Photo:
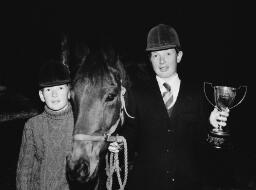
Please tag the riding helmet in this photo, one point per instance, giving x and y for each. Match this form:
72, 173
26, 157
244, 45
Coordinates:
162, 37
53, 73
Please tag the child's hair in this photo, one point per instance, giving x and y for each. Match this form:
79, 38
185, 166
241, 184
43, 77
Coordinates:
53, 73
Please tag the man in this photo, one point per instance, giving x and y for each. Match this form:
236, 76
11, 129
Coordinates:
169, 130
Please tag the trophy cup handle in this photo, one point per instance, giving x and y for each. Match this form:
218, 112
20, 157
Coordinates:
206, 94
245, 91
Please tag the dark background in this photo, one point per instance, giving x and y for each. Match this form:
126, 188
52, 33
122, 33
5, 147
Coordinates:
210, 33
214, 37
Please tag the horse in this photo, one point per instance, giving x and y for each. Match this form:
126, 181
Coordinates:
98, 99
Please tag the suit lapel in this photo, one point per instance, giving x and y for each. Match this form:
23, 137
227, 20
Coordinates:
182, 98
179, 105
157, 97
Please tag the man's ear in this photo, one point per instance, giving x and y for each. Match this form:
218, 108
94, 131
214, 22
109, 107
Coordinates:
179, 56
41, 96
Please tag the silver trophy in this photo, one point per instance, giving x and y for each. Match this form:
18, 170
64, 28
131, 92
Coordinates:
225, 97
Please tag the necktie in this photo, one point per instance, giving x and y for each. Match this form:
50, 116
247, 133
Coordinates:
167, 96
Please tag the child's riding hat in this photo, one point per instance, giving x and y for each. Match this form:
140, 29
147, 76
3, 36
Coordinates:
53, 73
162, 37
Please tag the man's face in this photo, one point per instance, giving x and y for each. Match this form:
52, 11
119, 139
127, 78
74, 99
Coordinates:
55, 97
165, 62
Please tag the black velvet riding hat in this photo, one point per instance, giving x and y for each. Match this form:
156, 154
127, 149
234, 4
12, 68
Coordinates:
53, 73
162, 37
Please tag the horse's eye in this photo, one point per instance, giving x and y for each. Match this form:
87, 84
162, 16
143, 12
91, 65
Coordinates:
110, 97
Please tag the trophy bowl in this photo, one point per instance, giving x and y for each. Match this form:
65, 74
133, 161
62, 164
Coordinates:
225, 97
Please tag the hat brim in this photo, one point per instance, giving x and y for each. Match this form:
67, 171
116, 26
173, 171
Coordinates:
56, 83
161, 47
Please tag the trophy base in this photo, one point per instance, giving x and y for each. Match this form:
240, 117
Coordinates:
219, 140
220, 133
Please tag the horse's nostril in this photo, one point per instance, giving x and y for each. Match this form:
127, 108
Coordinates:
83, 167
81, 171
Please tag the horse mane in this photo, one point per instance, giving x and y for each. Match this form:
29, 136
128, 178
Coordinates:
98, 64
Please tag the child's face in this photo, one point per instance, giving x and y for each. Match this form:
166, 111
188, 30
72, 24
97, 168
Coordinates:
55, 97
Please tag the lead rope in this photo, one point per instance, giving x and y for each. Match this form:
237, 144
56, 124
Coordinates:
112, 166
112, 160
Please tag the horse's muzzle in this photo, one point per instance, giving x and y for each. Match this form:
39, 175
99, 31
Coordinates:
77, 170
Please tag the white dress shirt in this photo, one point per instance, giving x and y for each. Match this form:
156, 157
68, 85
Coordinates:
174, 82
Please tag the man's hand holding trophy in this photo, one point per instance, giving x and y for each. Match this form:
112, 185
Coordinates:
218, 119
225, 100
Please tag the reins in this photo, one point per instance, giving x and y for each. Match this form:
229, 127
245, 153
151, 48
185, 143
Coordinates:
112, 163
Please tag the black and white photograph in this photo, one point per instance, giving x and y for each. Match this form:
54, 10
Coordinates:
142, 95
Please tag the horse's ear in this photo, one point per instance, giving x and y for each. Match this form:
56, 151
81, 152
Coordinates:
65, 52
123, 74
109, 55
120, 67
81, 52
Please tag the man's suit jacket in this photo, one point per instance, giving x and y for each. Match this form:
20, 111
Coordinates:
169, 149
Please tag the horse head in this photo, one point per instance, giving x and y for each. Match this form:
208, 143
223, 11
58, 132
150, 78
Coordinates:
98, 91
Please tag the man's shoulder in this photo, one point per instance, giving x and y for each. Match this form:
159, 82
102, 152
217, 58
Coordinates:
192, 88
192, 84
141, 87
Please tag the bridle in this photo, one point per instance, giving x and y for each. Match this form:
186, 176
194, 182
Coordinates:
107, 136
112, 162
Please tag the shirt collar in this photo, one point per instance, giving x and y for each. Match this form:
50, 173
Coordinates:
173, 81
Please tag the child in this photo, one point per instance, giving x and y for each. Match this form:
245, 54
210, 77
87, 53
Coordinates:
47, 137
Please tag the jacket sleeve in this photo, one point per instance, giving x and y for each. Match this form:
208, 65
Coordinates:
26, 159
